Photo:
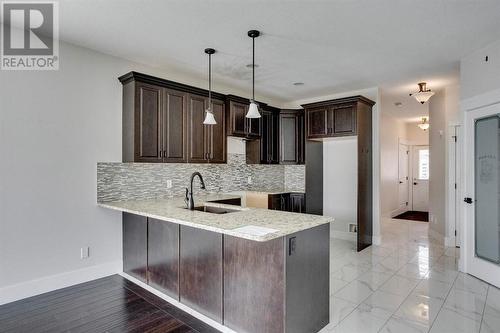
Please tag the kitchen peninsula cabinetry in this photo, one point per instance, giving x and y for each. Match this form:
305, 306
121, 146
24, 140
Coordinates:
163, 122
274, 285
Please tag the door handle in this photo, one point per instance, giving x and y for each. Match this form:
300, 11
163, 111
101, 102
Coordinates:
415, 183
468, 200
400, 182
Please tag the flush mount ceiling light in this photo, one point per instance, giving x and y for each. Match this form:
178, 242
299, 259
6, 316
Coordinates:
209, 115
423, 93
253, 109
424, 125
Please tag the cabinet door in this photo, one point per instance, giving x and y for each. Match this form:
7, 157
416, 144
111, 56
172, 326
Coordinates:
201, 271
274, 201
253, 127
174, 126
317, 122
289, 139
285, 202
147, 123
266, 147
217, 134
163, 256
344, 120
135, 249
237, 121
297, 203
197, 132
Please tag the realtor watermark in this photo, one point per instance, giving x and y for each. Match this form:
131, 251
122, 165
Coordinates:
30, 35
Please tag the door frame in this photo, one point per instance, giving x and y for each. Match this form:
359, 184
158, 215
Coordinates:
400, 210
465, 263
453, 193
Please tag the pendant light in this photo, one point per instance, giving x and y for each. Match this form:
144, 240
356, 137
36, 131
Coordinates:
423, 93
253, 109
424, 125
209, 115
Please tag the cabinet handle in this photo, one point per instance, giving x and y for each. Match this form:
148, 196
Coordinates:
161, 153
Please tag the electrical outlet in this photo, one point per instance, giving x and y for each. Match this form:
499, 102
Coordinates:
84, 252
169, 183
249, 180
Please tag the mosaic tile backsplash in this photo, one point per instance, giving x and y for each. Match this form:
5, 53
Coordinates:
129, 181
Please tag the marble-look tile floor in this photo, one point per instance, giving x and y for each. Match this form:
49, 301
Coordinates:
410, 283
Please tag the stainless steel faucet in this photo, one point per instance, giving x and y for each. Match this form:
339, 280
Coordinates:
189, 192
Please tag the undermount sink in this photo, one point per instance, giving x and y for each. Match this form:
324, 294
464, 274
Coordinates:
215, 210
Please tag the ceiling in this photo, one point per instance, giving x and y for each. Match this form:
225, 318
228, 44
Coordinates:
331, 46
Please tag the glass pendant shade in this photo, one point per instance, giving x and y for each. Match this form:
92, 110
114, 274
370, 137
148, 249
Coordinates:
209, 118
424, 125
423, 93
423, 96
253, 111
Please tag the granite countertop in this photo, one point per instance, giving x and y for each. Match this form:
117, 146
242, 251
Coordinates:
173, 210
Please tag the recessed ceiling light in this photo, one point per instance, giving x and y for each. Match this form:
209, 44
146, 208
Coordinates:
251, 65
298, 83
398, 104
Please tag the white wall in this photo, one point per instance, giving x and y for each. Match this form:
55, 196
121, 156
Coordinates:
340, 175
478, 76
443, 111
54, 127
391, 131
415, 135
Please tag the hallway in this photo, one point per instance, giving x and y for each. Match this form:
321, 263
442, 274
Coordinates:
408, 284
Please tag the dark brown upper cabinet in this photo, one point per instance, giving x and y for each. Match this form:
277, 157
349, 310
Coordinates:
317, 122
173, 131
147, 125
207, 143
291, 137
333, 118
163, 122
237, 123
269, 142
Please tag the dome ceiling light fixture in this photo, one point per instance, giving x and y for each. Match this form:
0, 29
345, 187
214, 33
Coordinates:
423, 93
253, 109
209, 115
424, 125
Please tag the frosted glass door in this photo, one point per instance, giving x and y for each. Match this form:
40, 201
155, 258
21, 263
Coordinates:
487, 188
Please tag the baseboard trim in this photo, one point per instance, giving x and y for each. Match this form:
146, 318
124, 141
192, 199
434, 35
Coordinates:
178, 304
45, 284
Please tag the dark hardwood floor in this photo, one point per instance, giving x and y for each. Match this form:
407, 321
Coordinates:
110, 304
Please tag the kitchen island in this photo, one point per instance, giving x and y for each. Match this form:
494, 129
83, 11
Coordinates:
250, 269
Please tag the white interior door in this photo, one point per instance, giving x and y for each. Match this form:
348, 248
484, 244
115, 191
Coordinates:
482, 191
420, 181
403, 169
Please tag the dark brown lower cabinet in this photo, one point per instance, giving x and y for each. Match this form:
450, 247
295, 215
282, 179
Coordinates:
297, 203
290, 202
200, 275
163, 256
135, 245
277, 286
270, 288
247, 297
